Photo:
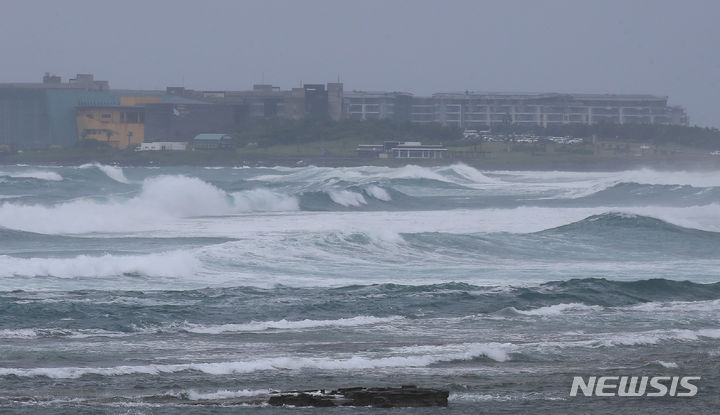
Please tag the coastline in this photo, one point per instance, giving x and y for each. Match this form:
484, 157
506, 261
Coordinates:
525, 162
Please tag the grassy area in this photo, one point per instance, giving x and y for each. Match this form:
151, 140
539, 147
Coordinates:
342, 152
340, 148
291, 142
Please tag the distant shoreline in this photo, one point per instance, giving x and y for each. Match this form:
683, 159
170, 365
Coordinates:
526, 162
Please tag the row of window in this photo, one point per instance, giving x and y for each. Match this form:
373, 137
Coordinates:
555, 109
129, 117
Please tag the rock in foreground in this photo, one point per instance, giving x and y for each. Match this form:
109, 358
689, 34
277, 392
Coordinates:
403, 397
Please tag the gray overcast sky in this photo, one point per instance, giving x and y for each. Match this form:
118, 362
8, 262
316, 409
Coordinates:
610, 46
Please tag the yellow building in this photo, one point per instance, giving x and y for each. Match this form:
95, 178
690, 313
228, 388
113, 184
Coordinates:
139, 100
119, 126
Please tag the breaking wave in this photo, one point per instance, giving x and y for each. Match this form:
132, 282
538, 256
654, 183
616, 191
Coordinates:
559, 309
161, 199
34, 333
347, 198
399, 357
378, 193
113, 172
454, 352
251, 327
287, 325
33, 174
168, 264
457, 174
620, 221
195, 395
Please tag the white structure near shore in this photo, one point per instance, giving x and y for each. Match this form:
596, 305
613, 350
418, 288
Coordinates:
163, 145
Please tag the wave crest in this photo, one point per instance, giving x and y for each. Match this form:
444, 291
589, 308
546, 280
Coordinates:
169, 264
113, 172
161, 199
433, 355
287, 325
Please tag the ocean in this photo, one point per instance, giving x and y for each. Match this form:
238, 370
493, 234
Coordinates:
201, 290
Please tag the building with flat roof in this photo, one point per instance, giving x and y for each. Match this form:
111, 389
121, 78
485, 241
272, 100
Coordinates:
35, 115
120, 126
477, 110
402, 150
361, 105
163, 146
268, 101
474, 110
51, 113
213, 142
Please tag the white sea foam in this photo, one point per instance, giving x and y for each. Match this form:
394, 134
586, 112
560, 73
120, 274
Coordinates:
113, 172
471, 174
654, 337
162, 199
641, 176
683, 178
287, 325
34, 174
499, 352
168, 264
581, 184
669, 365
460, 174
57, 332
189, 196
677, 306
462, 221
165, 198
18, 334
618, 339
558, 309
478, 397
347, 198
378, 193
483, 397
194, 395
468, 351
263, 200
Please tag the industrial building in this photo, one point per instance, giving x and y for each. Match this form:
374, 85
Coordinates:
53, 113
42, 115
268, 101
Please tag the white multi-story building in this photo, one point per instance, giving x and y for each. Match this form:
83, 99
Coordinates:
479, 110
377, 105
473, 110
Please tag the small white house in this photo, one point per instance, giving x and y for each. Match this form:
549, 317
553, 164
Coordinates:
471, 134
163, 145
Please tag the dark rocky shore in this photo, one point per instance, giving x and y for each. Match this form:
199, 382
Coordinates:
407, 396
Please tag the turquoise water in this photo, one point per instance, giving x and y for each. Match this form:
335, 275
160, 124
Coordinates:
164, 290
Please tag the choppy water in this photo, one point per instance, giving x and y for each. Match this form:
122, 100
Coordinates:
165, 290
